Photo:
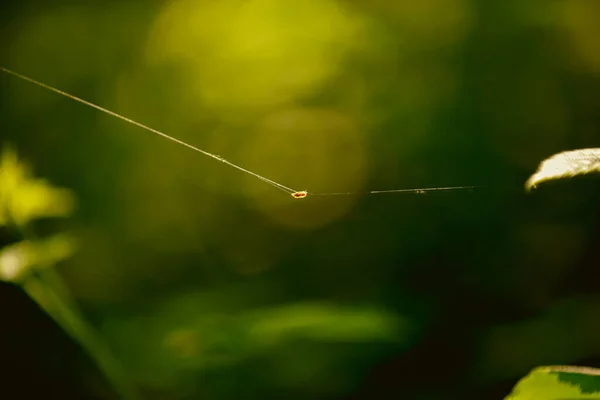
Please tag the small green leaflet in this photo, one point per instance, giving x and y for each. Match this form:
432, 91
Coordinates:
565, 165
560, 382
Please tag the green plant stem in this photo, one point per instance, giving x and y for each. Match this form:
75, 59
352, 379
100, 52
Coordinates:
39, 286
47, 288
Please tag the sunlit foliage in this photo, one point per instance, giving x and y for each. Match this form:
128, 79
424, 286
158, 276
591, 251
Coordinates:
23, 199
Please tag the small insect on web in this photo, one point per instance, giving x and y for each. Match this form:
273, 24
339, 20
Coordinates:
300, 195
296, 194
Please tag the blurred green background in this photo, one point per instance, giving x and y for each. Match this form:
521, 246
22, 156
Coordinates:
206, 283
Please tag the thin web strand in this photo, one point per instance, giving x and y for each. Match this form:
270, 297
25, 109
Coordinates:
296, 194
419, 190
155, 131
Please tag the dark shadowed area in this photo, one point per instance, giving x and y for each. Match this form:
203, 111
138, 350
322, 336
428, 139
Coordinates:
137, 268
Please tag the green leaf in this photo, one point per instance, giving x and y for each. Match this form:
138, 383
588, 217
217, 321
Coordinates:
565, 165
558, 383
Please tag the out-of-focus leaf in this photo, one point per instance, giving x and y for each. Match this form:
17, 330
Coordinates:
163, 346
558, 383
565, 165
24, 198
17, 259
324, 322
